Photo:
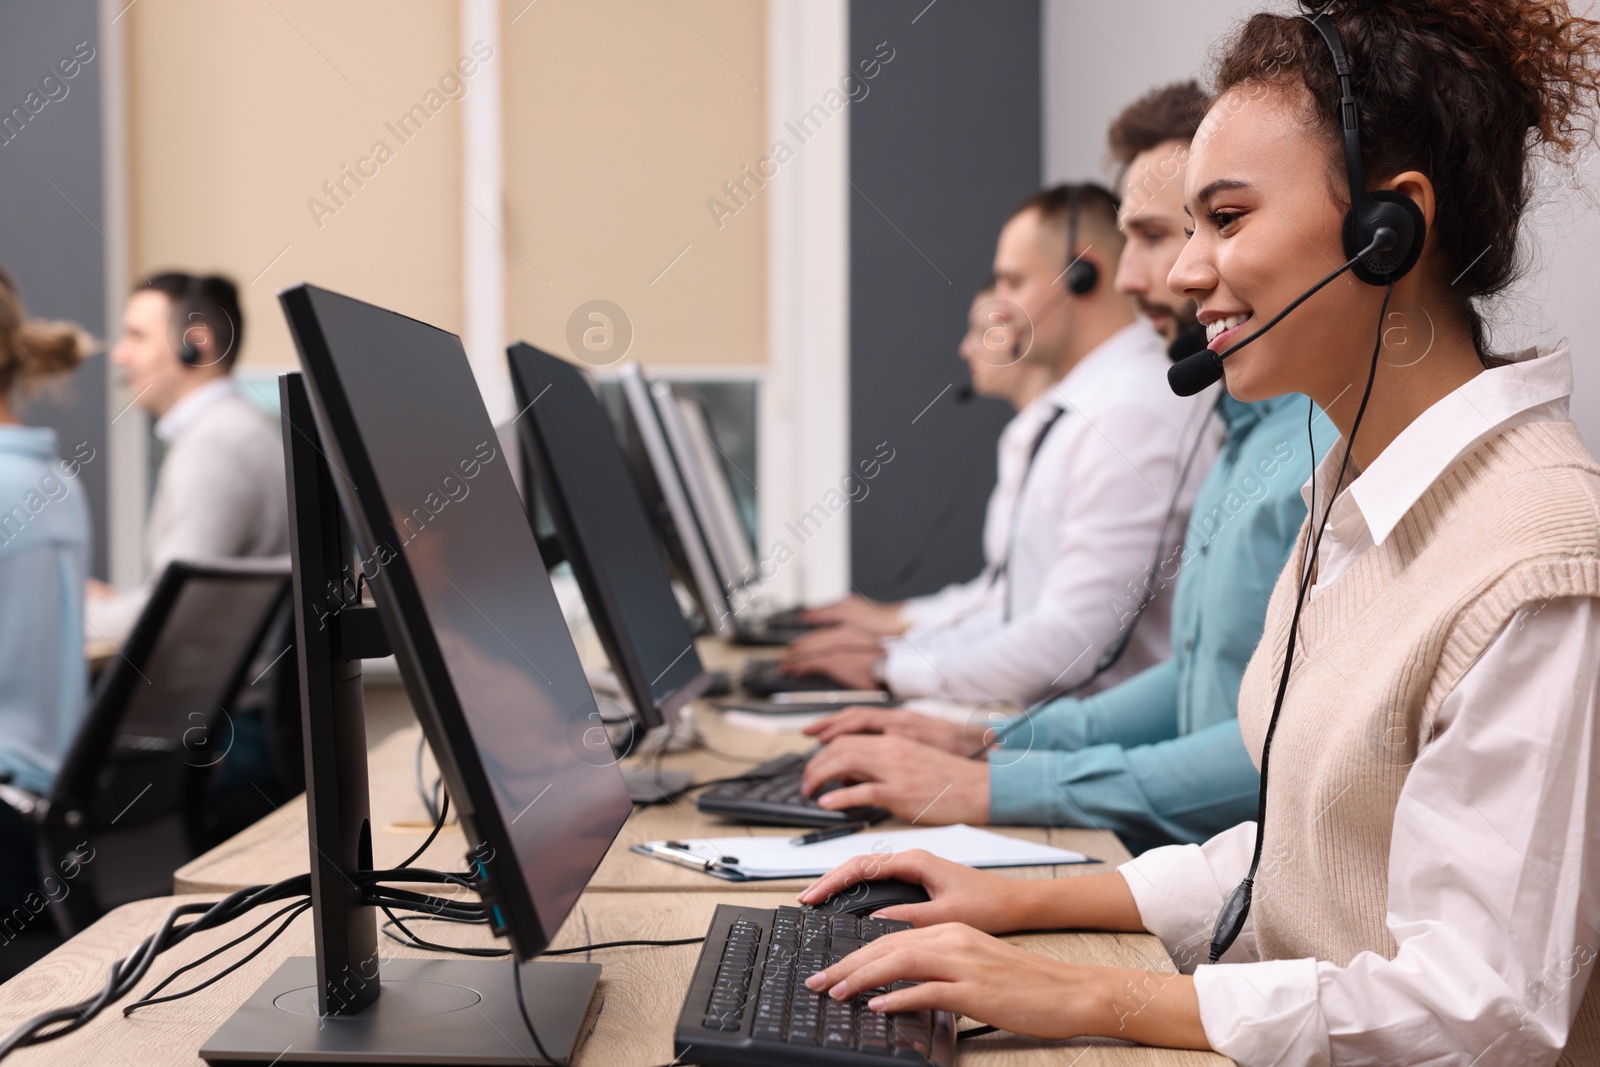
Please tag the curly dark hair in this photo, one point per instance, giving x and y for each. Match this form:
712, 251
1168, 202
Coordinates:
1461, 90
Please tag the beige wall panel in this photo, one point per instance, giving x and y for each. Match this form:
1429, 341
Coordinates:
623, 117
240, 111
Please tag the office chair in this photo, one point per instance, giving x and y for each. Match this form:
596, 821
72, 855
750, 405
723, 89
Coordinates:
129, 805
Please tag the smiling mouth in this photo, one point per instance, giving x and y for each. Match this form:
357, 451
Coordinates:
1223, 327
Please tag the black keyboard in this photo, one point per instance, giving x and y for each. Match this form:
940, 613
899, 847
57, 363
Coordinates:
761, 676
765, 635
748, 1005
787, 619
771, 793
779, 628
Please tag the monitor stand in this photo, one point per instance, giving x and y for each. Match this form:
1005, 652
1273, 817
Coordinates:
328, 1008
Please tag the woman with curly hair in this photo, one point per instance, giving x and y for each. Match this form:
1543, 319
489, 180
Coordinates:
1423, 883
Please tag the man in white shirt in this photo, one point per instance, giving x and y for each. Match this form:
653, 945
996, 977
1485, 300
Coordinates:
1100, 464
220, 491
990, 352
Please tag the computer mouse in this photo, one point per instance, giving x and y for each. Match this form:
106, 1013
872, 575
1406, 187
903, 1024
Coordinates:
864, 898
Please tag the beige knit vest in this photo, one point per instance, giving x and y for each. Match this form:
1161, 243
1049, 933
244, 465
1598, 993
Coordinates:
1513, 524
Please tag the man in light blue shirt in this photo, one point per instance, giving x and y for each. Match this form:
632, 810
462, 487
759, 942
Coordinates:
1158, 758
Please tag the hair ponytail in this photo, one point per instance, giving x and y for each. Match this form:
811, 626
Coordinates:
33, 350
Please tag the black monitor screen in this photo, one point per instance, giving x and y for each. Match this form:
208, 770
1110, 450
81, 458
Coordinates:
606, 533
466, 602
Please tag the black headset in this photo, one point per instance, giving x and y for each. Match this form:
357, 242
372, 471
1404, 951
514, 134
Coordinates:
1370, 212
1082, 274
189, 353
1383, 234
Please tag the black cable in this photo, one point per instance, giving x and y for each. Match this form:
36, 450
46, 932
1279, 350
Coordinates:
573, 951
976, 1031
263, 924
131, 969
126, 973
428, 797
1230, 923
298, 910
522, 1006
419, 942
438, 824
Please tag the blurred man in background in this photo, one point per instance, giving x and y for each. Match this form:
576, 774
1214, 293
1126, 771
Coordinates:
220, 491
1103, 447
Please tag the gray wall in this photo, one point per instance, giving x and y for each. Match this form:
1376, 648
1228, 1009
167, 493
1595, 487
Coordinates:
945, 145
51, 212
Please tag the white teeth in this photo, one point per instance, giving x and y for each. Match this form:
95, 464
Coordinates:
1222, 326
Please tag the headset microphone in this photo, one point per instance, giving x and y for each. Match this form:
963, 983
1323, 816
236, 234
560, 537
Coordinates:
189, 353
1392, 228
1202, 369
1187, 342
966, 394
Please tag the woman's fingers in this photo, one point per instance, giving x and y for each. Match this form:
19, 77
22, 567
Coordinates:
897, 965
867, 867
923, 996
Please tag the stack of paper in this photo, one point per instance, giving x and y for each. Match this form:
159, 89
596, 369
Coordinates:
779, 857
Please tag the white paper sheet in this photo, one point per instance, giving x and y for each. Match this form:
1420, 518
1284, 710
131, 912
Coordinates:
777, 857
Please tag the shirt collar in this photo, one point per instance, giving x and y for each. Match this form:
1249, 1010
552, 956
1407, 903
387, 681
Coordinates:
1491, 402
1078, 386
186, 412
1240, 417
36, 442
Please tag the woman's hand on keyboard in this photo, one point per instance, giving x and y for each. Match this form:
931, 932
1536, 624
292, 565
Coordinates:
963, 970
957, 893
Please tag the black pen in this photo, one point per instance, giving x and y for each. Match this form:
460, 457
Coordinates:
828, 834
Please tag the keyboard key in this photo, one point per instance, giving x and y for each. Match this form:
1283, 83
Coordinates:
764, 998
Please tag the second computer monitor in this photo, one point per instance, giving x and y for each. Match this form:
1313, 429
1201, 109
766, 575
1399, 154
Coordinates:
466, 602
606, 534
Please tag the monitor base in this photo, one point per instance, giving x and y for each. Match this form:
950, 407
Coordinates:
647, 785
430, 1011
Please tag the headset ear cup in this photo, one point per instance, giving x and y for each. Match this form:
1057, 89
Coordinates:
1402, 215
1082, 277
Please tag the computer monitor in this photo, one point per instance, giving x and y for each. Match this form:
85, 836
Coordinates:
605, 534
661, 483
692, 440
467, 607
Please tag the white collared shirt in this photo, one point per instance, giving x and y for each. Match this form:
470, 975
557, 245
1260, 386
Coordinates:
962, 600
1083, 534
187, 411
1492, 901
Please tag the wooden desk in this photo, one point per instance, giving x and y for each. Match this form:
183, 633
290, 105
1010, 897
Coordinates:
99, 653
630, 1021
277, 846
